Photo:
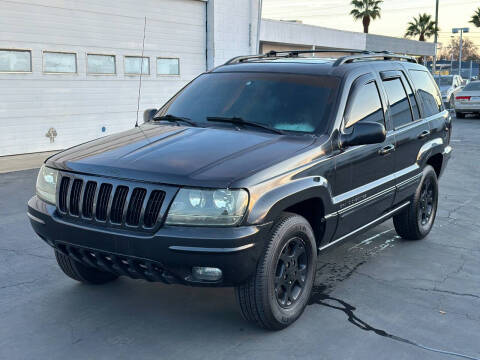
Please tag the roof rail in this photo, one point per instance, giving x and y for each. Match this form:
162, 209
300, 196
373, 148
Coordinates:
358, 55
381, 55
290, 53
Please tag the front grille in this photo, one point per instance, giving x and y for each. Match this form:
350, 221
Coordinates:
115, 203
118, 264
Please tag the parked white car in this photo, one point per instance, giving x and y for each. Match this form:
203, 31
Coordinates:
449, 86
468, 100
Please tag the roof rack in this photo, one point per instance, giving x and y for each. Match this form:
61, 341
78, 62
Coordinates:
358, 55
286, 54
382, 55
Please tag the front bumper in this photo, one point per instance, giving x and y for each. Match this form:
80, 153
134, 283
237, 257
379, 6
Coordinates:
167, 255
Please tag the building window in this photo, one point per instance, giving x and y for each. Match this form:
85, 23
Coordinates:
59, 62
168, 66
15, 61
136, 64
101, 64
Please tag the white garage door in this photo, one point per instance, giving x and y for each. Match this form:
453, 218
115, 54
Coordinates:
69, 69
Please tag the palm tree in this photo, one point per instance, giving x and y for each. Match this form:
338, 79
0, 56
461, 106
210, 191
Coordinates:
476, 18
423, 27
366, 10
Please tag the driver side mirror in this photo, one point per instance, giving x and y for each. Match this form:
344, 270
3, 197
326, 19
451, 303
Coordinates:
363, 133
149, 114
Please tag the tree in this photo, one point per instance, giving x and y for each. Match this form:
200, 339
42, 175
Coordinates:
469, 50
423, 27
476, 18
366, 10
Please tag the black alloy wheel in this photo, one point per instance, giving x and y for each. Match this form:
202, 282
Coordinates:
426, 203
291, 272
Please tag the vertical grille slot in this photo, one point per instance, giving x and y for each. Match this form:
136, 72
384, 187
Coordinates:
135, 206
153, 208
102, 202
88, 197
62, 196
118, 204
75, 197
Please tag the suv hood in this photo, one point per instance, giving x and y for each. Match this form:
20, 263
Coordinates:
168, 154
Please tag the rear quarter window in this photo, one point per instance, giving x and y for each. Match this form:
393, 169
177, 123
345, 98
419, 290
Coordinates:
427, 91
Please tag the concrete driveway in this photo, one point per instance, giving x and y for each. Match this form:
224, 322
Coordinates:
374, 297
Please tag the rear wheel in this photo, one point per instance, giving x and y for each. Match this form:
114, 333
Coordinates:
460, 115
278, 292
82, 273
416, 221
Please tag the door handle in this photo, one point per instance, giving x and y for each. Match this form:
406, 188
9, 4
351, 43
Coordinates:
423, 134
387, 149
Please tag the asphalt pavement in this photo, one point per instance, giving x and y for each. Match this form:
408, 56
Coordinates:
375, 297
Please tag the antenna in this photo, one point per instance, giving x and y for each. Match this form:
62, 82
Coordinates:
141, 71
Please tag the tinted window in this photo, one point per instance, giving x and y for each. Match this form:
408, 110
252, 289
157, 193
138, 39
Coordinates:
413, 101
283, 101
444, 80
15, 61
365, 106
58, 62
473, 86
427, 91
399, 105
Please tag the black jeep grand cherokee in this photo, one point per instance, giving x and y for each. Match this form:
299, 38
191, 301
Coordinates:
247, 174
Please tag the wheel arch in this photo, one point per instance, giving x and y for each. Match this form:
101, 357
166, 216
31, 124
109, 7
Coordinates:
308, 197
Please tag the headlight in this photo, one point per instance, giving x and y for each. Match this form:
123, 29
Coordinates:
198, 207
47, 184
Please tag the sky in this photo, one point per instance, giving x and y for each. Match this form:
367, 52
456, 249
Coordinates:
394, 16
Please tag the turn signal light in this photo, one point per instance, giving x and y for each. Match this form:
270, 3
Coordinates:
462, 98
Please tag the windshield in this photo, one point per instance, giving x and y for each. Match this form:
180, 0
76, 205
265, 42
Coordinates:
290, 102
444, 80
473, 86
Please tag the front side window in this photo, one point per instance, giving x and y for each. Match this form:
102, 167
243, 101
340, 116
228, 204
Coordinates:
168, 66
101, 64
59, 62
15, 61
400, 112
365, 106
427, 91
134, 65
290, 102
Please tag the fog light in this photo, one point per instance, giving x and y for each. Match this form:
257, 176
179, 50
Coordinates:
206, 273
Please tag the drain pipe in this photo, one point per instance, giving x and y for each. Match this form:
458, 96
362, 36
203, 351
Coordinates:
260, 4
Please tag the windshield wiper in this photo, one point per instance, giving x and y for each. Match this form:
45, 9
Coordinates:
173, 118
239, 121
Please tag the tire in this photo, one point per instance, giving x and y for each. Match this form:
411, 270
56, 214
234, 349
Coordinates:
460, 115
82, 273
416, 221
287, 262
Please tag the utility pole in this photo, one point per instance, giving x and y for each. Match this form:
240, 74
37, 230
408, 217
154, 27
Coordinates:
436, 39
461, 31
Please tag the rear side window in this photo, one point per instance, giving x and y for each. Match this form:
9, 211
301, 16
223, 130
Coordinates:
413, 101
428, 92
399, 105
365, 106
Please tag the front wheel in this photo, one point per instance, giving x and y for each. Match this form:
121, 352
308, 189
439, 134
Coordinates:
416, 221
278, 292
